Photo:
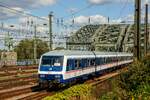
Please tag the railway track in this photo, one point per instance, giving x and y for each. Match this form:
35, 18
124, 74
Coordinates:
37, 96
20, 84
33, 92
18, 77
8, 93
28, 92
18, 80
105, 77
11, 84
14, 68
13, 73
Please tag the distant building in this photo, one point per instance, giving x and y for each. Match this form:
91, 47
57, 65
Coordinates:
8, 59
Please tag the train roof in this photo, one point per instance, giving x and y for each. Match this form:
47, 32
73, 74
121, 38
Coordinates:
76, 53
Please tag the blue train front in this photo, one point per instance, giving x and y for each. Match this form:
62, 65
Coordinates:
63, 67
50, 70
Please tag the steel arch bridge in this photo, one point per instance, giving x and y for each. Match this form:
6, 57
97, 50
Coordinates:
106, 37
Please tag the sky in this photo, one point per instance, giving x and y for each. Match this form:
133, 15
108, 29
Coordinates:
77, 11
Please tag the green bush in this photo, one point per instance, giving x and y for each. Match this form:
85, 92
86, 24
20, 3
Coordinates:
136, 76
110, 96
75, 91
135, 83
146, 61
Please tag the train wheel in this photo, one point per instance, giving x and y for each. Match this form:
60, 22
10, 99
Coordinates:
41, 85
50, 85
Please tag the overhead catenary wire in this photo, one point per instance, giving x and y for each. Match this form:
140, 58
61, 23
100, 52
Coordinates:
63, 24
74, 13
21, 12
142, 13
122, 9
14, 11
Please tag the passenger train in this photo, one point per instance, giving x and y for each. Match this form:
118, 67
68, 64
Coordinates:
66, 66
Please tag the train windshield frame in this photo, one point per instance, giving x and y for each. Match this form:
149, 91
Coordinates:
52, 61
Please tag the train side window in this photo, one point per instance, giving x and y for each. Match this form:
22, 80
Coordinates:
92, 62
88, 63
98, 61
102, 61
111, 59
105, 61
84, 63
77, 64
70, 65
116, 59
108, 60
130, 58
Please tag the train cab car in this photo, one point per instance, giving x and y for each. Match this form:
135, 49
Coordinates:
64, 66
51, 69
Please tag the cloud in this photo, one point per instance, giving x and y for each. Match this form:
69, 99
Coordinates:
72, 10
22, 6
27, 4
95, 19
116, 21
147, 1
130, 18
45, 2
100, 19
102, 2
8, 13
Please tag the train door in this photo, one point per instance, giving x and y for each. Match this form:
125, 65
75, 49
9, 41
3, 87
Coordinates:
77, 67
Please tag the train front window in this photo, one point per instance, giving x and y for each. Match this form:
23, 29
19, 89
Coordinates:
52, 61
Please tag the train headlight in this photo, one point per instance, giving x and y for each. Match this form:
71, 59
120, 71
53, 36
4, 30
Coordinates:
57, 76
42, 76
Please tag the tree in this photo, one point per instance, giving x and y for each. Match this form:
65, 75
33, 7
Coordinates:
136, 81
25, 49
